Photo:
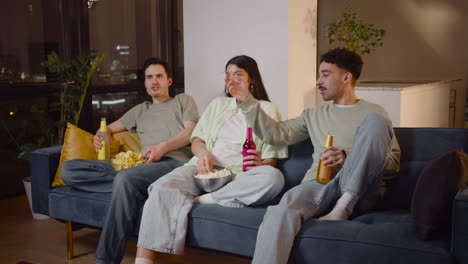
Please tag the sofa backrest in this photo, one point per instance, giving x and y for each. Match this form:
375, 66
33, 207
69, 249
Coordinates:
418, 146
298, 162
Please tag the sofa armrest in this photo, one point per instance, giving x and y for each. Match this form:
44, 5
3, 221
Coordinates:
43, 164
459, 226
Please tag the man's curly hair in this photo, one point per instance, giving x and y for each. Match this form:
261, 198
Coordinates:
345, 59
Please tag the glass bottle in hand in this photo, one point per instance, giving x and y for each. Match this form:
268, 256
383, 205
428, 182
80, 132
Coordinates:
103, 153
248, 144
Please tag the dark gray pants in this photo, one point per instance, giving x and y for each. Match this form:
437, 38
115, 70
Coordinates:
360, 175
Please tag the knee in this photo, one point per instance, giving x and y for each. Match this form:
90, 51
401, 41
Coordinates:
277, 179
165, 183
158, 193
282, 209
68, 169
66, 172
291, 199
122, 181
375, 118
377, 124
272, 176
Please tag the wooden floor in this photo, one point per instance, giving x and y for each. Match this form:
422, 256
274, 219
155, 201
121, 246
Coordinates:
23, 238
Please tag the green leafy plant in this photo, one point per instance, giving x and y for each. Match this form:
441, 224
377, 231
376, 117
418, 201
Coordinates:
73, 79
37, 131
357, 35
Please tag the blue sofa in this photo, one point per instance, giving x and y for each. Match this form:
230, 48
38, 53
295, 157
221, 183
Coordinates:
384, 235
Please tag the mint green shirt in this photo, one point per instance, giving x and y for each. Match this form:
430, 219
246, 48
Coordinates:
222, 109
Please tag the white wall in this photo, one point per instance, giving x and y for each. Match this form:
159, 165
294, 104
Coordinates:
426, 106
426, 40
390, 100
410, 104
279, 34
302, 54
217, 30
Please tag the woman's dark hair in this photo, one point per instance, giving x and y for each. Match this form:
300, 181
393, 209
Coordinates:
250, 66
345, 59
157, 61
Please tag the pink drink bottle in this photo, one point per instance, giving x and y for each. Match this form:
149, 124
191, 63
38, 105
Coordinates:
248, 144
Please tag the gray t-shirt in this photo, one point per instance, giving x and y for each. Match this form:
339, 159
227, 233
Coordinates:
156, 123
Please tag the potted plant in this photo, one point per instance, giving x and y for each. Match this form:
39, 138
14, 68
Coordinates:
357, 35
71, 80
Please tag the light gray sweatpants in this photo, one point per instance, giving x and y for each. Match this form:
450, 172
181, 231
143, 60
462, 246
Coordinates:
360, 175
165, 215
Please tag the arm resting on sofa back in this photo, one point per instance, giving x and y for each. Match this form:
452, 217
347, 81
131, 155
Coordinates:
459, 226
43, 165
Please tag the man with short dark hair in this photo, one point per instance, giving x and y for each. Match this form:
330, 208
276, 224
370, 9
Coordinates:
164, 127
364, 149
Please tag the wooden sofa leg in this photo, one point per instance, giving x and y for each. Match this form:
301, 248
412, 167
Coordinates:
69, 240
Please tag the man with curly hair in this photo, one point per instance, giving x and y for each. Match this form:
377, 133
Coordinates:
365, 149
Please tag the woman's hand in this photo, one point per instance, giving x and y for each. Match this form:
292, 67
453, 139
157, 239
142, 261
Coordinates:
253, 160
332, 156
205, 160
205, 163
238, 88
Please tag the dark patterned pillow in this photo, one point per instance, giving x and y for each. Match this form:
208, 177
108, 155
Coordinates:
438, 183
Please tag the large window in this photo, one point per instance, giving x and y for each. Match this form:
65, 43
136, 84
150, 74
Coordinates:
21, 42
127, 31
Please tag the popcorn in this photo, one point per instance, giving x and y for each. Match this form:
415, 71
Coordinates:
213, 174
127, 159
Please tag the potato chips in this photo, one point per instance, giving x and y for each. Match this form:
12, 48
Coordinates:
127, 159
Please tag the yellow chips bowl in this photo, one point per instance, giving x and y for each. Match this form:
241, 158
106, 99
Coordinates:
127, 159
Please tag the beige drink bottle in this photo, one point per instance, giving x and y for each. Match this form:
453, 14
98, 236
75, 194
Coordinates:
324, 173
103, 153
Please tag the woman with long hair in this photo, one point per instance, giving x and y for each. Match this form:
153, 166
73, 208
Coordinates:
216, 141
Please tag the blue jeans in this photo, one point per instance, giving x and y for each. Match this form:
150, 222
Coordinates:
129, 193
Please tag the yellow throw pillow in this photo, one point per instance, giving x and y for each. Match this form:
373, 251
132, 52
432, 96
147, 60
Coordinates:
128, 141
78, 144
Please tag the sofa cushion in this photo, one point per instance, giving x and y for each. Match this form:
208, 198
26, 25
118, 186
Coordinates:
418, 147
400, 190
376, 237
78, 144
437, 185
370, 236
296, 165
227, 229
128, 141
87, 208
